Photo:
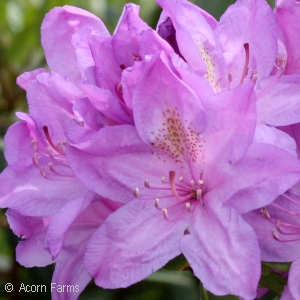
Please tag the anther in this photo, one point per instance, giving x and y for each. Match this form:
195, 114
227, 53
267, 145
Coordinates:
181, 179
59, 145
43, 171
146, 183
278, 61
119, 89
192, 182
283, 63
275, 236
165, 213
264, 213
201, 182
198, 194
35, 158
136, 192
188, 207
163, 180
253, 76
33, 144
157, 203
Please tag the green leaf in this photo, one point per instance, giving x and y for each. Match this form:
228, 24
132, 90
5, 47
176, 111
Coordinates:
278, 266
179, 263
272, 280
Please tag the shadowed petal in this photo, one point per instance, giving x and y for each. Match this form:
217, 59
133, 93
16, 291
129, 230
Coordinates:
30, 252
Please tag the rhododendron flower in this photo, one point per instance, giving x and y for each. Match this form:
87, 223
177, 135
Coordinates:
96, 61
200, 172
241, 47
49, 208
144, 144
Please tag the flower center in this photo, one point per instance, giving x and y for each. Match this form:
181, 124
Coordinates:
186, 196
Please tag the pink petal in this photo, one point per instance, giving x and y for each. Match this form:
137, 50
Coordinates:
251, 22
223, 252
132, 243
57, 29
30, 252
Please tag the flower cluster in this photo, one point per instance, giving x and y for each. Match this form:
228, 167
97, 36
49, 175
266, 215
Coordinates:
147, 144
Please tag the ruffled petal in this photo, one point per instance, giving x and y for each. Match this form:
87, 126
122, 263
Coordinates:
259, 178
30, 252
57, 29
24, 189
251, 22
132, 243
223, 252
280, 106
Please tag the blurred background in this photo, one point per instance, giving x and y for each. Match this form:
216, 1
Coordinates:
21, 51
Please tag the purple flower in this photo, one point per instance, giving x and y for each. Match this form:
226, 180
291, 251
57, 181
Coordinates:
49, 208
179, 210
97, 62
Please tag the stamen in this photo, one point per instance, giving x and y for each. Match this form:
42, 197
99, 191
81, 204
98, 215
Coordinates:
136, 192
201, 182
119, 90
35, 158
165, 213
56, 148
192, 182
157, 203
287, 210
146, 184
274, 80
283, 63
198, 194
254, 76
50, 165
276, 237
246, 66
172, 178
264, 213
42, 170
291, 199
181, 179
280, 230
163, 180
188, 207
33, 144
